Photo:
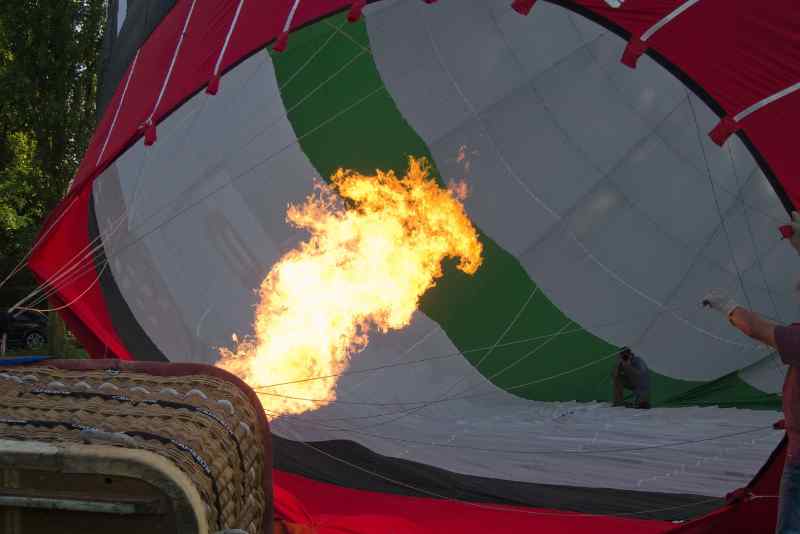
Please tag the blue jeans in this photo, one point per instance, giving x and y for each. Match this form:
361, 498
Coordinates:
789, 505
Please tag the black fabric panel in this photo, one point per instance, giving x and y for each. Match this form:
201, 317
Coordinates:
334, 462
118, 50
127, 327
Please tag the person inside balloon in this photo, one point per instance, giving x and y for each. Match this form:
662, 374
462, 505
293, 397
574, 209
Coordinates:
786, 341
631, 373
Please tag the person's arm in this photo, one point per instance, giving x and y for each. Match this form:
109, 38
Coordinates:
784, 339
787, 341
753, 325
750, 323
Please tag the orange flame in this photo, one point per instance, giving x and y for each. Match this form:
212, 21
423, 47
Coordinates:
366, 265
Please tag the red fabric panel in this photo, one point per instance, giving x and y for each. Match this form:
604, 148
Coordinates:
757, 516
636, 17
143, 90
330, 509
772, 130
87, 316
729, 48
201, 46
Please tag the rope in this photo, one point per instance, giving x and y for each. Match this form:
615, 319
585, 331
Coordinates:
67, 274
231, 28
119, 107
458, 353
21, 264
716, 201
83, 259
167, 77
777, 366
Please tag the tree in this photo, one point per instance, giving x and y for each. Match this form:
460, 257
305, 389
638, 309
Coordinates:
49, 58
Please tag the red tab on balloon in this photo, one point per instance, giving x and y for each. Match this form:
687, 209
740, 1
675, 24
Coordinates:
281, 42
722, 131
633, 51
150, 136
356, 9
523, 7
213, 85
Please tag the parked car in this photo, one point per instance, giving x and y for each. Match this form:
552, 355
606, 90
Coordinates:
26, 329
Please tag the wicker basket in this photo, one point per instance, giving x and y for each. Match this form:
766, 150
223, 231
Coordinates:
203, 420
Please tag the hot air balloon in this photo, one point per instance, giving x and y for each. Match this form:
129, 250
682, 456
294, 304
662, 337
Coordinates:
621, 158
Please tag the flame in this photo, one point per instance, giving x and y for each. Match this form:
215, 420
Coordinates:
377, 244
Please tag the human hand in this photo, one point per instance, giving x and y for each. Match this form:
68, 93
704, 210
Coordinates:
720, 300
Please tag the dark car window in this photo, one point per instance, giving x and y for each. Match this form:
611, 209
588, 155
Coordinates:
26, 316
20, 316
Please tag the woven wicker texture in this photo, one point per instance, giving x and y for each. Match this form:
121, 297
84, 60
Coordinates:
205, 425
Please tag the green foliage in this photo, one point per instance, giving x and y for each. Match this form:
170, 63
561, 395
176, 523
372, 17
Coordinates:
48, 62
49, 54
49, 59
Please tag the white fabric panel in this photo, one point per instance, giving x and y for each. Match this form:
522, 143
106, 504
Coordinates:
626, 314
646, 90
579, 95
538, 152
767, 374
137, 274
122, 12
694, 344
444, 33
631, 228
669, 192
495, 197
523, 35
679, 131
415, 63
556, 127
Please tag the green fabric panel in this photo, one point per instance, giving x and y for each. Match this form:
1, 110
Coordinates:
727, 391
343, 116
